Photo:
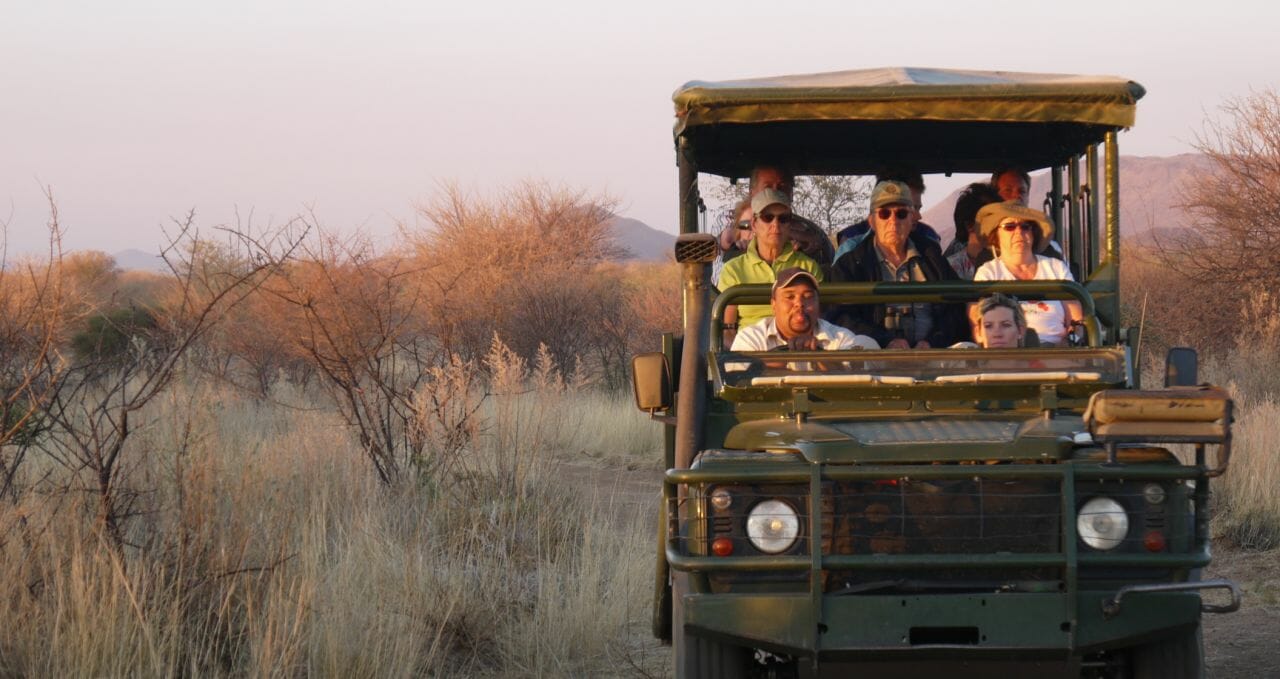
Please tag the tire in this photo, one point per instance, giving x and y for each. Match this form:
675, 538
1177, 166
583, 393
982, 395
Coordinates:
697, 657
1180, 656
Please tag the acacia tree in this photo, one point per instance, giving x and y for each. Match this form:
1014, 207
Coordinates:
524, 264
831, 202
33, 318
92, 412
357, 319
1235, 205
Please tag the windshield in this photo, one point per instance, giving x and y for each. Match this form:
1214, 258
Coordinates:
903, 368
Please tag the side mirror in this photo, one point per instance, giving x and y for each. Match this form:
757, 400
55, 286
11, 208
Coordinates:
1181, 368
651, 378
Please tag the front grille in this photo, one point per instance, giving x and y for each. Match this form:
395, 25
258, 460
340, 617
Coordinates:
981, 516
908, 517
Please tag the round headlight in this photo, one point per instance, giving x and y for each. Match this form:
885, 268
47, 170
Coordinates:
1102, 523
772, 526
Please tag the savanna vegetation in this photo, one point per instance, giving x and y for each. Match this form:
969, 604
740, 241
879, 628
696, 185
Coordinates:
297, 454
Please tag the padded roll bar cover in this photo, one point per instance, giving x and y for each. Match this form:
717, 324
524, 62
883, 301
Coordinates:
1180, 404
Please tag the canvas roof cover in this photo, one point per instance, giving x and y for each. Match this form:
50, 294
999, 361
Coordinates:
911, 94
935, 120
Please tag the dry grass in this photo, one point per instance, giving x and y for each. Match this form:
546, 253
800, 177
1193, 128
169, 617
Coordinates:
266, 548
1247, 504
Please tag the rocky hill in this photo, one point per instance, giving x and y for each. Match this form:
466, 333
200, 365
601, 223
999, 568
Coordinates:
642, 241
1150, 194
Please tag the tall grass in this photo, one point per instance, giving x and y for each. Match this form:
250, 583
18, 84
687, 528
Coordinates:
1246, 503
265, 547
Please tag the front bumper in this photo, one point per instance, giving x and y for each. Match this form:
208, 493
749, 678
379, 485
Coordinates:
952, 625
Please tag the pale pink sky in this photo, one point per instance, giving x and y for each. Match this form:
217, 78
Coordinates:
138, 111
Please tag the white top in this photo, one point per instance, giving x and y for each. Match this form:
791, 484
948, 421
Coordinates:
1047, 318
763, 336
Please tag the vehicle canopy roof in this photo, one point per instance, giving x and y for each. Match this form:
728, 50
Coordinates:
936, 120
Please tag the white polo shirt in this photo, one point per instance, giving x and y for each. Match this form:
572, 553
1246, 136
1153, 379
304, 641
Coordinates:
763, 336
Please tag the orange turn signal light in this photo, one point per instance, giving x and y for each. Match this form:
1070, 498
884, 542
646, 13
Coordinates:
722, 546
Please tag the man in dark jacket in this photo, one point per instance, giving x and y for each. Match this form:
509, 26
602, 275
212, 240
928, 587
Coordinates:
897, 252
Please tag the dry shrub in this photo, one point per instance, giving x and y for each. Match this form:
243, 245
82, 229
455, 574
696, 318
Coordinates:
357, 319
1236, 203
264, 550
523, 264
1173, 310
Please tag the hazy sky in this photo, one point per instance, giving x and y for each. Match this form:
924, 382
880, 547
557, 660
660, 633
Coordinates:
134, 112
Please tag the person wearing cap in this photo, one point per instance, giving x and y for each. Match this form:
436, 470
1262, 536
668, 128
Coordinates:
1014, 183
769, 252
1015, 233
897, 253
806, 236
795, 324
848, 237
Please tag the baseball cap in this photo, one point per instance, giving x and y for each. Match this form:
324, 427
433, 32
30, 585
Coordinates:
891, 193
788, 276
768, 197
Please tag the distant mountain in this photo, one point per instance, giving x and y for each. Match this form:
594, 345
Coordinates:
1150, 191
141, 261
643, 242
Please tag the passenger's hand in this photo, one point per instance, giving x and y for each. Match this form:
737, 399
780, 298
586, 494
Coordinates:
923, 344
898, 343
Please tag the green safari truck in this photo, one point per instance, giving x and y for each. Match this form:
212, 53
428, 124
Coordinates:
940, 512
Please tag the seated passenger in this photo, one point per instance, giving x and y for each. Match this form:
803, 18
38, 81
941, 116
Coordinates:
1001, 324
770, 251
1015, 232
806, 236
965, 252
810, 239
795, 324
1014, 183
734, 238
896, 253
851, 235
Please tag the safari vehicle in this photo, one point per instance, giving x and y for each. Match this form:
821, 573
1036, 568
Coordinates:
934, 512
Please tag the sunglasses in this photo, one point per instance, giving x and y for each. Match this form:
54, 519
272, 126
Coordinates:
1014, 226
745, 225
900, 213
768, 217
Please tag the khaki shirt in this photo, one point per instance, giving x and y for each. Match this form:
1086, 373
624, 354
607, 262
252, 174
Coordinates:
915, 321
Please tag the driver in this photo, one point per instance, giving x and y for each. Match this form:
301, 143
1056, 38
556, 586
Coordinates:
794, 324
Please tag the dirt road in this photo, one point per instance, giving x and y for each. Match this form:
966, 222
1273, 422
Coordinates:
1246, 644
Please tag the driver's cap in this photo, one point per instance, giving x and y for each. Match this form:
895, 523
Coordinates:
787, 277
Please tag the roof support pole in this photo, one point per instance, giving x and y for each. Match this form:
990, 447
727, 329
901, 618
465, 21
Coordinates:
1111, 196
1077, 253
696, 278
1093, 205
1054, 204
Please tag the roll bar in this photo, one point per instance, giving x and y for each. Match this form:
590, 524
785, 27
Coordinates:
945, 292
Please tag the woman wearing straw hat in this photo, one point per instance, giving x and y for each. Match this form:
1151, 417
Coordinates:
1016, 232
